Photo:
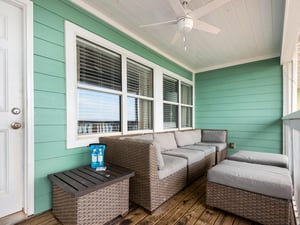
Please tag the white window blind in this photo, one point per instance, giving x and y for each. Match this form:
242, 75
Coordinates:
139, 79
170, 89
99, 77
140, 103
98, 66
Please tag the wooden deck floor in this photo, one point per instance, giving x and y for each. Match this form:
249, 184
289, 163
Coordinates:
186, 208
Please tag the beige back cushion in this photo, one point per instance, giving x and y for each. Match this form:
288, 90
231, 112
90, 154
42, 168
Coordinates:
166, 141
190, 137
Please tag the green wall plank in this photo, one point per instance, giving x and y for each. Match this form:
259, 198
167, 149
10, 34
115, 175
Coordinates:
246, 100
49, 66
44, 82
49, 34
49, 50
44, 116
46, 150
42, 203
46, 17
44, 99
44, 133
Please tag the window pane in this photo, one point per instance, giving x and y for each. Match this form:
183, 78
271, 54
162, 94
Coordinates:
139, 114
98, 66
170, 116
186, 116
98, 112
170, 89
139, 79
186, 94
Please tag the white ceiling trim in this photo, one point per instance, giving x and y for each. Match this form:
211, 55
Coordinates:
115, 24
239, 62
291, 30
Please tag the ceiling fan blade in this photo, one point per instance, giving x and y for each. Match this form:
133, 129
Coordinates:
159, 23
200, 25
206, 9
177, 7
175, 37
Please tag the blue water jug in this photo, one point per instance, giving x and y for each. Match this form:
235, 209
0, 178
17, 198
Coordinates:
97, 155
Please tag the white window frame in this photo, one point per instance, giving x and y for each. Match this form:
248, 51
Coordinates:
141, 97
179, 103
74, 140
186, 106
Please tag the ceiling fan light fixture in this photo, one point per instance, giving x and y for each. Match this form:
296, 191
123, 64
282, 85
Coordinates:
185, 24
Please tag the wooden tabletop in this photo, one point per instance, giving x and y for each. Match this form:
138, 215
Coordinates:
83, 180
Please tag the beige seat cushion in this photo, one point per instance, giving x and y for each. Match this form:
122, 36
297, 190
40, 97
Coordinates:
191, 156
206, 149
172, 165
219, 146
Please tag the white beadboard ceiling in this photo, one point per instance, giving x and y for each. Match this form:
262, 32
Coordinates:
250, 30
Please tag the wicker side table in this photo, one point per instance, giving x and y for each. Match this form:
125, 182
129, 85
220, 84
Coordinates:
86, 196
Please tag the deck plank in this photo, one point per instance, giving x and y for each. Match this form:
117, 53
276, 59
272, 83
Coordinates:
225, 219
177, 212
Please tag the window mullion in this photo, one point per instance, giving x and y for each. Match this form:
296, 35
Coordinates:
124, 109
179, 107
95, 88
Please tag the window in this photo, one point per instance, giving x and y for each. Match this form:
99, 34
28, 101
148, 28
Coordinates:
99, 87
186, 105
112, 91
170, 96
140, 96
172, 105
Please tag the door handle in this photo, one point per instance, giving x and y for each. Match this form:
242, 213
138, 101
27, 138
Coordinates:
16, 125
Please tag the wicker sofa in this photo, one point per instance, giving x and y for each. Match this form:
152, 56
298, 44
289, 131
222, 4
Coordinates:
164, 163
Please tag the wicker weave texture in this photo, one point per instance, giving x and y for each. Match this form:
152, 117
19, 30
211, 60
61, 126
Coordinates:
97, 207
146, 189
260, 208
221, 155
197, 169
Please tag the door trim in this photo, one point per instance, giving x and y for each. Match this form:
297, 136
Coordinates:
27, 7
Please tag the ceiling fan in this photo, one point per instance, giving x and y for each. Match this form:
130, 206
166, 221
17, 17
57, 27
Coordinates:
186, 19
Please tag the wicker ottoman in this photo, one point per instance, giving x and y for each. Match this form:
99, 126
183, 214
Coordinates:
257, 192
85, 196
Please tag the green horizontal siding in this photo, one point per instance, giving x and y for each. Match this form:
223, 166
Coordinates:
50, 116
246, 100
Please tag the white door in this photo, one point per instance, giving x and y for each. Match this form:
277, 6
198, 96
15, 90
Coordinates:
11, 109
